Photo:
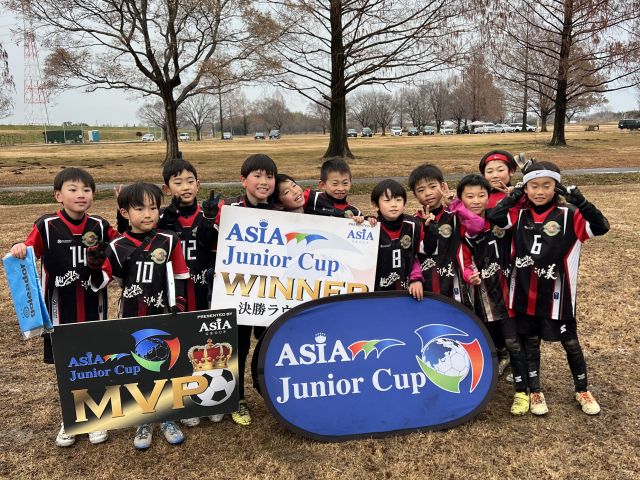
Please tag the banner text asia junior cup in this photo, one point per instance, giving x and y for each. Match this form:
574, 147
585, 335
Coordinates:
270, 262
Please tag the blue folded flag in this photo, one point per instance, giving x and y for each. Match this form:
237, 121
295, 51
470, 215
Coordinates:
28, 301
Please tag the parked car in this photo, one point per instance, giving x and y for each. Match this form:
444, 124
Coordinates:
486, 128
352, 133
366, 132
428, 130
504, 128
518, 127
413, 132
630, 123
464, 129
227, 136
259, 136
148, 137
446, 131
184, 137
274, 134
396, 131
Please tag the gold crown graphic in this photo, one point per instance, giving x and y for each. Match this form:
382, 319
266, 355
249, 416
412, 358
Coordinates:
210, 356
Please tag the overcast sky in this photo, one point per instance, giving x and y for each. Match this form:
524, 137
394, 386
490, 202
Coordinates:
116, 107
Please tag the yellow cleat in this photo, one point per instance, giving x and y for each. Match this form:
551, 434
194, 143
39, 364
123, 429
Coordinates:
520, 404
242, 416
588, 403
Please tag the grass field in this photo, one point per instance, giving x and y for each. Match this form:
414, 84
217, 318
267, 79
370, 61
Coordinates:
564, 444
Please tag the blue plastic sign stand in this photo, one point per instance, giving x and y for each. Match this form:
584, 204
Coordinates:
376, 364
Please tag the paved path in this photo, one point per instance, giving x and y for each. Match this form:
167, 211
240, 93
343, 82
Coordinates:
214, 185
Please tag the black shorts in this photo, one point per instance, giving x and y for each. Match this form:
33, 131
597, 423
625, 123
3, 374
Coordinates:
548, 329
505, 328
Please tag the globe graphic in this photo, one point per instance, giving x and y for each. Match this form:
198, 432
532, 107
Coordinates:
447, 357
153, 349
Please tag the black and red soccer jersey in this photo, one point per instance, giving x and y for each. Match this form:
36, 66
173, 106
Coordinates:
546, 258
319, 203
490, 253
400, 242
198, 241
494, 198
139, 265
442, 268
61, 243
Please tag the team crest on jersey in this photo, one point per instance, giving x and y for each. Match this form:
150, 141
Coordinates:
89, 239
551, 228
159, 255
405, 241
497, 231
445, 230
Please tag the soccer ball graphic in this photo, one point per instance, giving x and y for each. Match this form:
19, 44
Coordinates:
447, 357
153, 349
221, 385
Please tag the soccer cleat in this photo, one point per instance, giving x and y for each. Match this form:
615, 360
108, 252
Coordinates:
144, 435
242, 416
509, 377
520, 404
503, 363
588, 403
63, 439
98, 437
216, 418
191, 422
172, 433
538, 404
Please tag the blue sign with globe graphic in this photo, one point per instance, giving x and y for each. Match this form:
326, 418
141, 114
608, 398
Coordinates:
376, 364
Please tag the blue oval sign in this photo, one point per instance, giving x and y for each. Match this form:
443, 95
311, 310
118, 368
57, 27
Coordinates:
376, 364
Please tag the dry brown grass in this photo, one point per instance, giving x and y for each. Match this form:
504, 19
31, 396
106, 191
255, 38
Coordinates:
300, 155
564, 444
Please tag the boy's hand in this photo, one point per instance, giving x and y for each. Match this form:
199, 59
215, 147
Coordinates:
416, 290
373, 221
358, 219
210, 206
517, 192
96, 255
447, 195
503, 187
116, 191
572, 195
19, 250
170, 214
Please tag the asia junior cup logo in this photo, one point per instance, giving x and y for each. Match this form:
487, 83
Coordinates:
448, 361
153, 351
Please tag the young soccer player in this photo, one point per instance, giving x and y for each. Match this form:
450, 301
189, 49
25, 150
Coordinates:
442, 263
60, 240
258, 178
335, 184
288, 195
498, 166
401, 238
147, 263
547, 238
487, 258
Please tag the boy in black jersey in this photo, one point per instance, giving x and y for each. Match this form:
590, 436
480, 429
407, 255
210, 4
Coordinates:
401, 238
331, 200
258, 178
547, 237
195, 228
61, 240
442, 264
486, 258
149, 265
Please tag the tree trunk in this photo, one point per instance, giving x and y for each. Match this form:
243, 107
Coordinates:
558, 138
338, 145
220, 112
198, 132
171, 128
543, 122
525, 96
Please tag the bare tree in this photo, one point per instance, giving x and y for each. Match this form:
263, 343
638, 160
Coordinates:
196, 111
338, 46
437, 96
155, 47
274, 111
154, 114
362, 107
321, 114
384, 110
6, 84
589, 46
416, 106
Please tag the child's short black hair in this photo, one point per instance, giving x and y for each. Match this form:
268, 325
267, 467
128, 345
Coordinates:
426, 171
501, 155
337, 165
280, 179
389, 188
73, 174
134, 195
175, 167
473, 180
257, 162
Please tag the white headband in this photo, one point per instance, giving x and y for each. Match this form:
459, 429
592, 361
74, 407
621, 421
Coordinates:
541, 173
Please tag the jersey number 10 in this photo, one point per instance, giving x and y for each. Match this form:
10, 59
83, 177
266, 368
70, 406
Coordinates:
144, 272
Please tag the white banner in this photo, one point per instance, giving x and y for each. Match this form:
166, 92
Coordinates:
268, 262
